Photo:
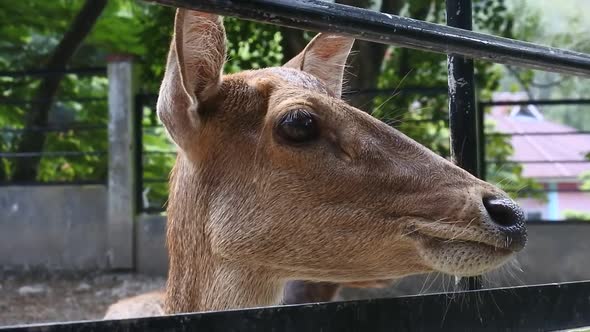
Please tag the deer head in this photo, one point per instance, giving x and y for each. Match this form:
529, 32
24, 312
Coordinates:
278, 179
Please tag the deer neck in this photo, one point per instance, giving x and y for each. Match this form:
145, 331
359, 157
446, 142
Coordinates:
197, 279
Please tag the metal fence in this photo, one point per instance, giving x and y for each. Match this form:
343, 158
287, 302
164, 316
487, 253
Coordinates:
465, 122
70, 137
541, 308
551, 307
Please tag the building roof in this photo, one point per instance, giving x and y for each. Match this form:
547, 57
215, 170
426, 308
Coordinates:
551, 148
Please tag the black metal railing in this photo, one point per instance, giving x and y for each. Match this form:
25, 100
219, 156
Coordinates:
538, 308
365, 24
550, 307
467, 128
74, 147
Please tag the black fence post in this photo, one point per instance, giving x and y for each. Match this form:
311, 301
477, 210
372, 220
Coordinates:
481, 141
139, 153
462, 108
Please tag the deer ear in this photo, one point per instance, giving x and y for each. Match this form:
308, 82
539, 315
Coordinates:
325, 58
193, 70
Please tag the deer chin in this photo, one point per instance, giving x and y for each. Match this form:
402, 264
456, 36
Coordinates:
461, 258
466, 254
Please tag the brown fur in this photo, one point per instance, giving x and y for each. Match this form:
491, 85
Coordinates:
144, 305
248, 211
295, 292
307, 292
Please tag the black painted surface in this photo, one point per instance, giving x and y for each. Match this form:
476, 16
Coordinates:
540, 308
369, 25
482, 141
138, 119
463, 117
462, 108
538, 102
525, 309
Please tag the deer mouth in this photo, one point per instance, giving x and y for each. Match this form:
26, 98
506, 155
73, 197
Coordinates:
463, 254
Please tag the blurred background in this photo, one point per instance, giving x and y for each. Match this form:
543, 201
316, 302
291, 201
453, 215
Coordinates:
57, 126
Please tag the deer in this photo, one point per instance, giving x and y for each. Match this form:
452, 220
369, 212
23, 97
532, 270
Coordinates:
295, 292
277, 179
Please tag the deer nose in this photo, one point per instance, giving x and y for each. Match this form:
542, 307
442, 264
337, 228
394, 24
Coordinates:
508, 218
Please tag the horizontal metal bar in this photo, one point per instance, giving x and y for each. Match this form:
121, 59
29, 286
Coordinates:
560, 221
51, 154
522, 191
487, 161
538, 161
428, 91
150, 129
147, 96
17, 102
316, 15
53, 183
538, 102
158, 152
533, 191
54, 129
539, 133
394, 122
155, 180
152, 209
441, 90
530, 308
49, 72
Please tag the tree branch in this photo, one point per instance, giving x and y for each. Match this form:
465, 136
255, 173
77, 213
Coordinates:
365, 65
418, 10
26, 169
515, 73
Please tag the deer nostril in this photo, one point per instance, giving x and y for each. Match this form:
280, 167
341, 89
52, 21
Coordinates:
509, 219
503, 212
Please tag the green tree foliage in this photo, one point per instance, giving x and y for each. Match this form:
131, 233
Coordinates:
29, 41
585, 179
144, 31
424, 118
572, 33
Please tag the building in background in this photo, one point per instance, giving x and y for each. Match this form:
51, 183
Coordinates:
553, 160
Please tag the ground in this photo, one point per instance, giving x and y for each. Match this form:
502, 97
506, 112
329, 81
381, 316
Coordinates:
29, 297
36, 298
40, 297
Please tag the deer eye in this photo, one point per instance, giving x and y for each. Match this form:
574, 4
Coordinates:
298, 126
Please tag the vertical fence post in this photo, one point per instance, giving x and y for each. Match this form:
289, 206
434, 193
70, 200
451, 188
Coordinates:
121, 182
139, 100
462, 108
481, 141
